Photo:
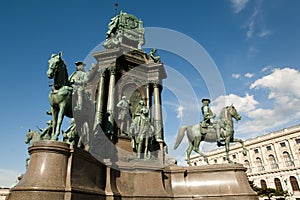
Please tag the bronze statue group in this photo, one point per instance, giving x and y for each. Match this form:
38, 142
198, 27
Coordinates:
136, 126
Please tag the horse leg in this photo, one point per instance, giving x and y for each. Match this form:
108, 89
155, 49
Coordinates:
188, 153
243, 145
227, 143
197, 150
60, 120
54, 122
139, 148
147, 156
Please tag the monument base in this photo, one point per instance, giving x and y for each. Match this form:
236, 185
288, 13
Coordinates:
214, 182
59, 172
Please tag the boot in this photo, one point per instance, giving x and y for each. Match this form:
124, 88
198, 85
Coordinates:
219, 143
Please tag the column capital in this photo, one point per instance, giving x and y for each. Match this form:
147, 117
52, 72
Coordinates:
101, 72
112, 70
156, 83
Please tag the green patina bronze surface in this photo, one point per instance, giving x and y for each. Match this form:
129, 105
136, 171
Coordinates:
196, 134
126, 29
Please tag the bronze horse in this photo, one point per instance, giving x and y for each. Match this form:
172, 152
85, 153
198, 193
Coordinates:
32, 137
60, 97
141, 136
225, 125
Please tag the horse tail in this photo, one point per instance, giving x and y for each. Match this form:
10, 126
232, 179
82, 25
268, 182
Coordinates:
180, 136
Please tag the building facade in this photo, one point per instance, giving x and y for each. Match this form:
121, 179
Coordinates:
273, 160
3, 193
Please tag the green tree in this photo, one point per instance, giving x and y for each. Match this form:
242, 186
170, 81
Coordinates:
267, 192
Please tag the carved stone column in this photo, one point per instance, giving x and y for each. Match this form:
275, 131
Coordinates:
111, 100
157, 112
149, 97
158, 121
100, 98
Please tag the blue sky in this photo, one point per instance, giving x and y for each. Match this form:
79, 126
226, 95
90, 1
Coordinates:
252, 47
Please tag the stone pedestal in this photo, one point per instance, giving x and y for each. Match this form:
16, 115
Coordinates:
213, 182
46, 175
58, 172
140, 180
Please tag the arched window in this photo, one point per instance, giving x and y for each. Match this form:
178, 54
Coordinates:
259, 164
277, 184
294, 183
287, 159
247, 165
263, 183
273, 162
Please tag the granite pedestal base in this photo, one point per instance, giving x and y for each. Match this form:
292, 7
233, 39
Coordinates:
58, 172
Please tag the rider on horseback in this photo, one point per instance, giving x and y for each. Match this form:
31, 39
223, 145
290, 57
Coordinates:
208, 119
207, 113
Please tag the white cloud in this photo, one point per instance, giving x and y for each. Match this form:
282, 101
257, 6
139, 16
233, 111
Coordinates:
179, 111
255, 24
8, 177
250, 30
238, 5
242, 104
236, 76
249, 75
266, 68
282, 87
252, 50
264, 33
282, 82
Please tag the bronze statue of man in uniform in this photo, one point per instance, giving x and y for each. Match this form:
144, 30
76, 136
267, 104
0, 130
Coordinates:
46, 133
208, 118
77, 79
124, 115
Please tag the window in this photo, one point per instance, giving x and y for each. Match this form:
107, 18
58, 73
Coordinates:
216, 161
224, 158
234, 156
287, 159
269, 148
294, 183
259, 164
247, 165
256, 151
297, 141
263, 183
277, 184
282, 144
273, 162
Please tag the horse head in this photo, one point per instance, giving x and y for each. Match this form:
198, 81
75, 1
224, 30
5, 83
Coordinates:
54, 63
233, 112
28, 137
57, 69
